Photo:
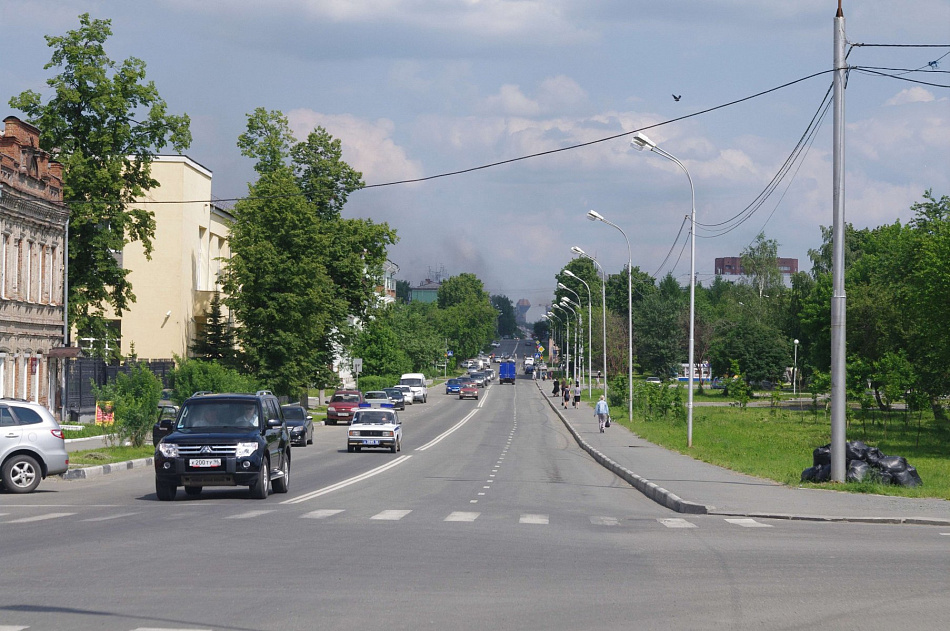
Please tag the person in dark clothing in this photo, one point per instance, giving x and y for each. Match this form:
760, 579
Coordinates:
566, 390
557, 388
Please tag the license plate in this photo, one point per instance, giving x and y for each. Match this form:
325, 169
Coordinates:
204, 462
370, 442
343, 413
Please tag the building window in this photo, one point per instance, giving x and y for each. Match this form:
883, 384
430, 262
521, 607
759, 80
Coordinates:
4, 239
200, 271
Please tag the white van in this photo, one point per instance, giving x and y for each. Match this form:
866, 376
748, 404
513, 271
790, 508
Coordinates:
417, 384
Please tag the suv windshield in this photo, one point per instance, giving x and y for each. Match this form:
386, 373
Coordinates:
228, 414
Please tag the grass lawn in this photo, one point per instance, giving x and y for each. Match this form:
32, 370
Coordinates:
108, 455
777, 444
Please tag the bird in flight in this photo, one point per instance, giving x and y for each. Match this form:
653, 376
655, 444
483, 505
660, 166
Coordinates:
677, 97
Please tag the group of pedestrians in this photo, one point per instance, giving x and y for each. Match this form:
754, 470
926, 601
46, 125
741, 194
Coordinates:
572, 394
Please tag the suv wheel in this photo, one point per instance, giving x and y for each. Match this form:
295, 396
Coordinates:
21, 474
261, 487
165, 491
282, 484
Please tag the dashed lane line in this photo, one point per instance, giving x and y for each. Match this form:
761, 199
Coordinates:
391, 515
462, 516
44, 517
345, 483
676, 522
748, 523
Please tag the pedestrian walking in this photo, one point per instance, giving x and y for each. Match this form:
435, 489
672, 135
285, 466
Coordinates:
600, 375
602, 412
557, 388
577, 393
566, 393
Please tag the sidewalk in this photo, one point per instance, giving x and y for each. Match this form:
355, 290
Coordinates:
690, 486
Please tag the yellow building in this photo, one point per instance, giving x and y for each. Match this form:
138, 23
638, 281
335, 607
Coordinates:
173, 289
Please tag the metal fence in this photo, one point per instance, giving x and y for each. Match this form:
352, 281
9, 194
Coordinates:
82, 373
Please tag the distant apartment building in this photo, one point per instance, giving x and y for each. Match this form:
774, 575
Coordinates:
33, 222
173, 289
427, 291
732, 266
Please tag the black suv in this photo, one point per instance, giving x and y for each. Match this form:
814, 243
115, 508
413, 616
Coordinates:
225, 440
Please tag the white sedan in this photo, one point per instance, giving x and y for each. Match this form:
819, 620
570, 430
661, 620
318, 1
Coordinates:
406, 394
377, 398
376, 429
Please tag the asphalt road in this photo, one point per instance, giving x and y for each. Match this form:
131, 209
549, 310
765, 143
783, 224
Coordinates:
490, 518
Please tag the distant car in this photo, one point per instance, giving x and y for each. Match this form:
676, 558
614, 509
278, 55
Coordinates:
376, 429
299, 424
479, 378
406, 394
655, 380
343, 404
452, 386
468, 390
377, 399
396, 397
31, 445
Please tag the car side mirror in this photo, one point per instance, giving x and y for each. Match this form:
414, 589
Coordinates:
274, 422
309, 417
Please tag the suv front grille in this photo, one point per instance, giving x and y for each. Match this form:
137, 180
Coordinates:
203, 450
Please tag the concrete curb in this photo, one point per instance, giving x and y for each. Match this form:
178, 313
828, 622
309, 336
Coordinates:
106, 469
653, 491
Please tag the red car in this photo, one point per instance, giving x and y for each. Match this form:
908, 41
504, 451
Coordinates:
468, 389
342, 406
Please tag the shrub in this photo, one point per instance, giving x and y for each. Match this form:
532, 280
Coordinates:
196, 375
134, 399
374, 382
617, 392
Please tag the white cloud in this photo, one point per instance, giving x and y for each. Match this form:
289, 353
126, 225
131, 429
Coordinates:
511, 101
367, 146
915, 94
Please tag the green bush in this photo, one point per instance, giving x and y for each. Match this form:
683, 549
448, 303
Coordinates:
374, 382
617, 392
134, 398
196, 375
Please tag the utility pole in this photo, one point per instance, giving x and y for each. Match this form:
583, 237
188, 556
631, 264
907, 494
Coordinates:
839, 391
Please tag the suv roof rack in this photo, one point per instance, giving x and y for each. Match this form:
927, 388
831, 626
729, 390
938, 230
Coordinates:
262, 393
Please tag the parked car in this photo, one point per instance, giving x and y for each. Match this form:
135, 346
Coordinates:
299, 424
343, 404
376, 399
396, 397
377, 429
655, 380
31, 445
406, 394
452, 386
225, 440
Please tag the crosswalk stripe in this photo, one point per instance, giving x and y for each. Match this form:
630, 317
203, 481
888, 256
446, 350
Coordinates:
604, 521
534, 519
748, 523
160, 629
249, 514
108, 517
391, 515
11, 627
676, 522
24, 520
322, 513
462, 516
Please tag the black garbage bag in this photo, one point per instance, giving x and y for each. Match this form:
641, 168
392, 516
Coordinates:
873, 456
818, 473
858, 471
885, 477
908, 477
821, 455
856, 450
892, 464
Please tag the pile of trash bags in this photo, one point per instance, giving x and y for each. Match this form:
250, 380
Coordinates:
864, 464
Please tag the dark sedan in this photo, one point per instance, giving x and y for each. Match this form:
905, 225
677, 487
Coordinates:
396, 397
299, 424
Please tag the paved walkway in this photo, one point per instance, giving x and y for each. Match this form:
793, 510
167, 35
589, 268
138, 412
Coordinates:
690, 486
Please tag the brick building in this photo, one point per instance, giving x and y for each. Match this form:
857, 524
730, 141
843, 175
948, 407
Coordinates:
33, 221
732, 266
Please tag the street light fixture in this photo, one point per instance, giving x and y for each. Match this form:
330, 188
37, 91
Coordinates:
590, 342
578, 337
566, 304
795, 369
580, 355
603, 298
567, 335
593, 215
641, 142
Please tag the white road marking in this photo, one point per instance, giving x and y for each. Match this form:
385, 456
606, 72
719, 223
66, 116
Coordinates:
250, 514
462, 516
474, 501
676, 522
391, 515
748, 523
604, 521
163, 629
441, 436
24, 520
323, 513
534, 519
344, 483
10, 627
108, 517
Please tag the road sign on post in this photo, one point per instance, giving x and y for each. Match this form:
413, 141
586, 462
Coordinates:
357, 369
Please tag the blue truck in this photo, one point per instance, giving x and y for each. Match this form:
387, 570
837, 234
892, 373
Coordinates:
506, 372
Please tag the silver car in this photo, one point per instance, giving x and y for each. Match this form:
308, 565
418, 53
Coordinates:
31, 445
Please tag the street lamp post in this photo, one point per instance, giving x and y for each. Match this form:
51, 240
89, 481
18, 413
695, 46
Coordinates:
593, 215
552, 317
590, 339
603, 299
566, 304
580, 355
795, 370
641, 142
567, 336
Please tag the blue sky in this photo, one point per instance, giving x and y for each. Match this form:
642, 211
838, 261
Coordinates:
415, 88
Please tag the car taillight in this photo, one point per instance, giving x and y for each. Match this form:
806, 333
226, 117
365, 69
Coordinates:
58, 433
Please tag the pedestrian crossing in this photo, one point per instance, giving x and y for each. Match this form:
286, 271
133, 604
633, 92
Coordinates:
396, 515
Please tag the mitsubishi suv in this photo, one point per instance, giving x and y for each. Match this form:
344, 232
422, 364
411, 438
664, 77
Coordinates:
225, 440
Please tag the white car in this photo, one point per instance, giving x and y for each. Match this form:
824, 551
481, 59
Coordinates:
374, 429
406, 394
377, 399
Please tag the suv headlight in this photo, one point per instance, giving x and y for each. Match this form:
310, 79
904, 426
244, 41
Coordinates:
245, 449
168, 450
